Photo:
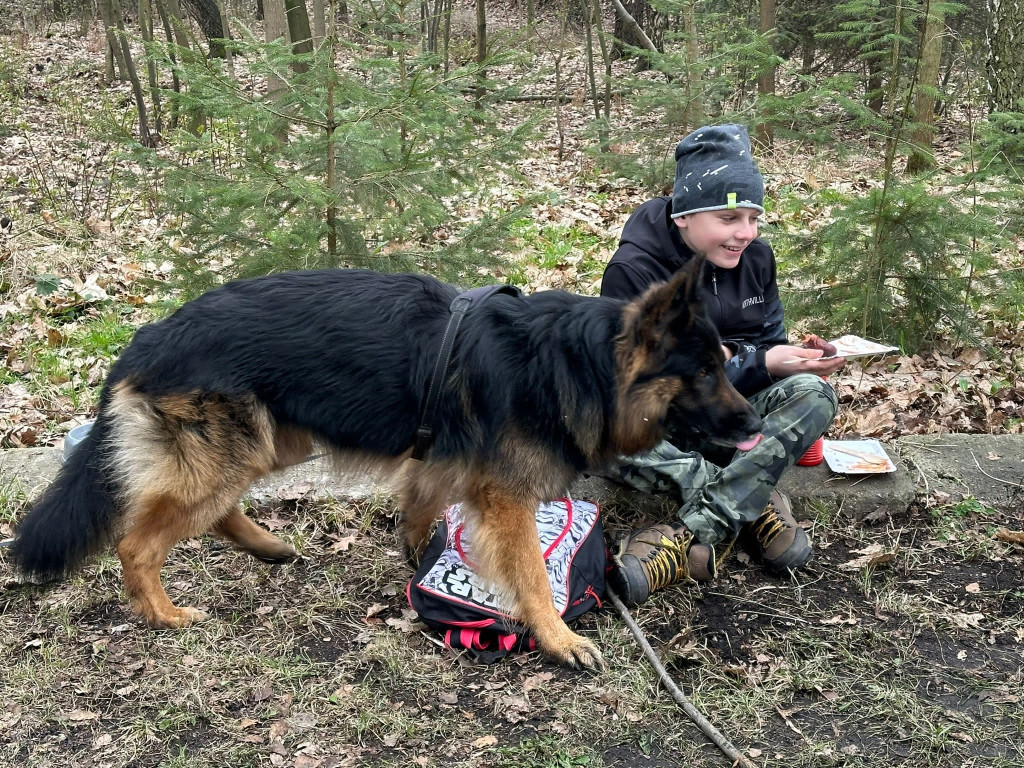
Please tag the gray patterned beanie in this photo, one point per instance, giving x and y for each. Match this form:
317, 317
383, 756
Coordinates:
715, 171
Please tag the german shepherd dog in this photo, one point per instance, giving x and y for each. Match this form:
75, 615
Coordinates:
247, 378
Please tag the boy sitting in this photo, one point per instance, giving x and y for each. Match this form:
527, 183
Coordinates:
714, 209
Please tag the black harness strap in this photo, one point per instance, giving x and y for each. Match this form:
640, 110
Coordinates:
459, 307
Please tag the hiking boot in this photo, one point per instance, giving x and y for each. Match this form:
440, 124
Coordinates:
775, 537
655, 557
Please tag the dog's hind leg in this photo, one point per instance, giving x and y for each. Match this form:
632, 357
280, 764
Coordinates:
422, 499
158, 523
507, 546
248, 536
291, 445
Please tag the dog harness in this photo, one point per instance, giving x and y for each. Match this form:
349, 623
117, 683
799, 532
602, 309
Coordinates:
460, 305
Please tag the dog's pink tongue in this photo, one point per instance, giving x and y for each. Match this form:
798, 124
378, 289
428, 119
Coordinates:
746, 445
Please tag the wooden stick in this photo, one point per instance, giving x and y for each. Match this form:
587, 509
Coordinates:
694, 714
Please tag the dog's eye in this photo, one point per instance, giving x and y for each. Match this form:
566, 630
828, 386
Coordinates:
704, 373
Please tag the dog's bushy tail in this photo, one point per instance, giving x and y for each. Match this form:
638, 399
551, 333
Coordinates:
74, 517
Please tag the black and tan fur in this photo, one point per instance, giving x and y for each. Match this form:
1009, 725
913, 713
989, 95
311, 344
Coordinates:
249, 377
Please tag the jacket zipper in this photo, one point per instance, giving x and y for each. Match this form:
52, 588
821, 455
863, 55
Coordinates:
714, 280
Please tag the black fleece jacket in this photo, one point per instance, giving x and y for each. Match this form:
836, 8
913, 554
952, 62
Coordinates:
743, 302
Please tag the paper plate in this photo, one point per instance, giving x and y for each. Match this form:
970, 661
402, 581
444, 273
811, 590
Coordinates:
857, 457
855, 346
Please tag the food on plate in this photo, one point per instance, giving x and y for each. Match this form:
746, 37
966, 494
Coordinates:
811, 341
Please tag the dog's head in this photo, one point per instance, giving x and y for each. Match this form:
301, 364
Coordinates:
669, 357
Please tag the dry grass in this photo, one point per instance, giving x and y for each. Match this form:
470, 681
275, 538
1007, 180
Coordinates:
915, 661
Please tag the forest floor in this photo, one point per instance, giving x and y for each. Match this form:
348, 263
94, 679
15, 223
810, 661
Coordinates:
913, 660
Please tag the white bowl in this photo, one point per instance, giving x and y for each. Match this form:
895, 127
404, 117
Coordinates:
74, 437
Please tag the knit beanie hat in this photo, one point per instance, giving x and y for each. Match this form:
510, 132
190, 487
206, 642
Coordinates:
715, 171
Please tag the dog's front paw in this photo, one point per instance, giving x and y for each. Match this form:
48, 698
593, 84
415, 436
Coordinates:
575, 651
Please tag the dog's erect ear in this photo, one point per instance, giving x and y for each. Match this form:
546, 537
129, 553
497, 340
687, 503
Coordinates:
666, 307
689, 290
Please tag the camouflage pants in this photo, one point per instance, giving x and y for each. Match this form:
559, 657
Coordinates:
718, 498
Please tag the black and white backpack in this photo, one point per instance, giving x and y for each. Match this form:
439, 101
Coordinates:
450, 597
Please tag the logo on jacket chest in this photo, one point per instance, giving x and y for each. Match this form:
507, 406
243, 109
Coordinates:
753, 300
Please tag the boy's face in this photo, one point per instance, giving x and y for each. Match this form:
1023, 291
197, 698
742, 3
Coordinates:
719, 235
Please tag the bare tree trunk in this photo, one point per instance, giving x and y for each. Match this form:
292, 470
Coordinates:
118, 41
177, 23
433, 24
146, 24
588, 27
229, 59
640, 25
275, 27
87, 11
694, 113
932, 31
319, 23
481, 45
876, 96
606, 57
109, 60
447, 32
627, 25
559, 122
175, 82
298, 31
113, 60
1005, 64
332, 180
207, 14
766, 79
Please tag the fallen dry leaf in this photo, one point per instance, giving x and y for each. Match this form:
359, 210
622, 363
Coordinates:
537, 681
342, 543
82, 715
870, 557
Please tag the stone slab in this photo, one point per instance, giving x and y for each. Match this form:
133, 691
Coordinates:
989, 468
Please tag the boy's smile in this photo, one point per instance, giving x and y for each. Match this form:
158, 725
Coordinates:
721, 235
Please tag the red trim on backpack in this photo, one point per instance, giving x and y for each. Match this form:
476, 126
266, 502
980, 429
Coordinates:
565, 528
507, 642
475, 624
472, 639
586, 534
461, 551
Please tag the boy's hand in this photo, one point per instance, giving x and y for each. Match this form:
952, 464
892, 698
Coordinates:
785, 360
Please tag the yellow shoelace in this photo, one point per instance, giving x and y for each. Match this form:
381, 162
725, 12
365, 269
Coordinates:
669, 564
768, 527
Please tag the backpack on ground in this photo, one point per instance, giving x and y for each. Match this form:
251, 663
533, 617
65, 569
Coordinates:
451, 597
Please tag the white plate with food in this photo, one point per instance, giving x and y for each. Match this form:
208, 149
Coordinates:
857, 457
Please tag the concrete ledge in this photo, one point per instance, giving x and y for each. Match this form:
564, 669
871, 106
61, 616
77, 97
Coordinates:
989, 468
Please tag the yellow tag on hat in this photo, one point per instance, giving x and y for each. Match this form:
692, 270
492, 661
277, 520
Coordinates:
731, 200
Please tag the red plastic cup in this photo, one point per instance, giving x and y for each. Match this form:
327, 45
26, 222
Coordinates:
815, 454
